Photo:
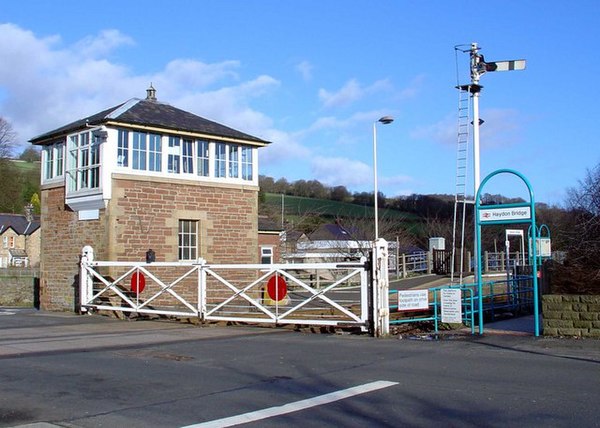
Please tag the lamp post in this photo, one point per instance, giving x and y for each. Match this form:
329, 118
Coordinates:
384, 120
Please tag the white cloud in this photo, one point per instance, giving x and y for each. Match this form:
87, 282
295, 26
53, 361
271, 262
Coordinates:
335, 171
305, 68
357, 176
413, 89
228, 105
185, 74
284, 148
397, 185
103, 43
443, 132
351, 91
501, 127
49, 84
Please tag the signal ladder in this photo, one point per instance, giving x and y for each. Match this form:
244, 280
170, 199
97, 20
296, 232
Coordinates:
462, 167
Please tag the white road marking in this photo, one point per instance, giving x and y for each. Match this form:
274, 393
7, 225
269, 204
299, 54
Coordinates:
294, 407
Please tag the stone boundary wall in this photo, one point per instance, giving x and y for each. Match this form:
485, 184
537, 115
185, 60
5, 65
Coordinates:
17, 290
571, 315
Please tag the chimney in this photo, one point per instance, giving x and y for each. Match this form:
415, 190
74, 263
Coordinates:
29, 213
151, 93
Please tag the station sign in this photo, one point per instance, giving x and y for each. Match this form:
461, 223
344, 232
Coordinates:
504, 214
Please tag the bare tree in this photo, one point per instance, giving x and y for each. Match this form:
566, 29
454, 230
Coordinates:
361, 230
581, 271
30, 154
7, 139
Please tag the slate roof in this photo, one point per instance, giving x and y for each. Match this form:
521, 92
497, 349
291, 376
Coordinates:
267, 225
151, 113
336, 232
19, 224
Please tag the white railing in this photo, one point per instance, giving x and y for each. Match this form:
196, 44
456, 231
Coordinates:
308, 293
414, 263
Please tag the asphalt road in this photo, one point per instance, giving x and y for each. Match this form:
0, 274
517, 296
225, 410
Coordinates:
72, 371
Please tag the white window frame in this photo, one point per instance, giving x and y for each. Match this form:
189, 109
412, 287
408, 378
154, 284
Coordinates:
53, 161
154, 147
266, 251
203, 158
83, 163
187, 155
247, 163
123, 150
172, 155
233, 158
187, 239
220, 160
139, 151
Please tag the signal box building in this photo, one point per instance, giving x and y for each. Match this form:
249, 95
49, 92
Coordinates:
144, 175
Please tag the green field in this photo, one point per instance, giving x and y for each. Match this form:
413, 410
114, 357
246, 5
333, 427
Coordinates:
296, 205
23, 166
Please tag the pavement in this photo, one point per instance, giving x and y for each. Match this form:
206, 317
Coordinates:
29, 331
85, 371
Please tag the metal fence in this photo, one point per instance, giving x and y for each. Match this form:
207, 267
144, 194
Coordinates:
513, 296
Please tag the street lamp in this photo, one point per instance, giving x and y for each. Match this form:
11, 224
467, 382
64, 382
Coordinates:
384, 120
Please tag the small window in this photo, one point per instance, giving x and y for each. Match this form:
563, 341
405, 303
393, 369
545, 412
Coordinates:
266, 255
203, 158
174, 155
83, 162
59, 150
187, 157
53, 156
247, 172
139, 151
154, 153
123, 148
49, 151
234, 159
188, 239
220, 159
5, 241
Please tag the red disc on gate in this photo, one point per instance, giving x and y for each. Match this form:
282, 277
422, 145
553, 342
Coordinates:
277, 288
138, 282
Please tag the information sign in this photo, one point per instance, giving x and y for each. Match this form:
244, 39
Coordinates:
413, 300
451, 305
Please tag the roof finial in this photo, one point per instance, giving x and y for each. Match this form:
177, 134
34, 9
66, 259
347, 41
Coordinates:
151, 93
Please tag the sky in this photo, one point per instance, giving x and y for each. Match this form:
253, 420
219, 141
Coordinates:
313, 76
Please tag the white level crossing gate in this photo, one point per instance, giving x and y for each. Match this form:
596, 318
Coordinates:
325, 294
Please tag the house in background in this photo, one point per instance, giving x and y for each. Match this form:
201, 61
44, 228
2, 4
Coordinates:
20, 237
269, 241
144, 175
331, 242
